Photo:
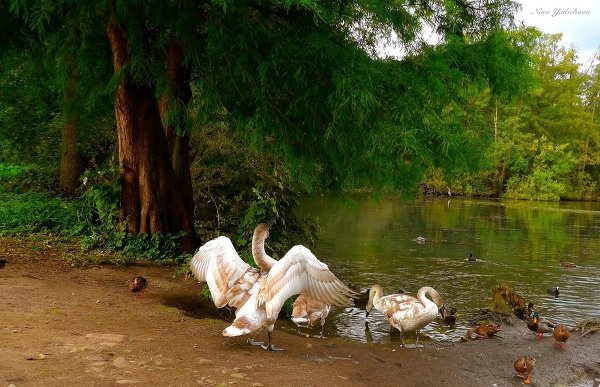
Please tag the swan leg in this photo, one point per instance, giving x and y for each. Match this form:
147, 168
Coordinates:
302, 333
270, 346
322, 329
417, 345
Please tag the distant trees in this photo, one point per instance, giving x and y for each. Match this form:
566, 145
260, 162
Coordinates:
547, 138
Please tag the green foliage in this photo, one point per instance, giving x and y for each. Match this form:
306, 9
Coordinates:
26, 213
236, 188
555, 106
9, 172
545, 172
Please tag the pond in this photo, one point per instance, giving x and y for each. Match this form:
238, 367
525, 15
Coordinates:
519, 243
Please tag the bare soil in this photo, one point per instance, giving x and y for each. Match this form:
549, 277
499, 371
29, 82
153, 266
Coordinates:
67, 326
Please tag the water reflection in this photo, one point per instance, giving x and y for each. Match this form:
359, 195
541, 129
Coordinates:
520, 243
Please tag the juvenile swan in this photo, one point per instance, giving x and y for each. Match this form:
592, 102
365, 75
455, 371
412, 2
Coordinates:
406, 313
298, 271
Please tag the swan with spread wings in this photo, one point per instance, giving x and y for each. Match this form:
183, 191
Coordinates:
263, 292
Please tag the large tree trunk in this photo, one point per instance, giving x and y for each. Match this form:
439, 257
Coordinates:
152, 201
173, 108
71, 164
70, 158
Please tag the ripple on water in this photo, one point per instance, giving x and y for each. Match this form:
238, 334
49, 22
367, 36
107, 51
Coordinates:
519, 245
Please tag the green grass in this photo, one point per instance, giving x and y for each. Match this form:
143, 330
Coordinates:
9, 172
31, 212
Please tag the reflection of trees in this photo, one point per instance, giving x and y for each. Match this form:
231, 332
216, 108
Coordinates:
381, 233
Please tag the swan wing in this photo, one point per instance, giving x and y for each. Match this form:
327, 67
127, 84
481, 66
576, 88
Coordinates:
300, 271
241, 290
218, 264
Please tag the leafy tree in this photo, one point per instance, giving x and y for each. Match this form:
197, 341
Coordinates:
297, 79
543, 173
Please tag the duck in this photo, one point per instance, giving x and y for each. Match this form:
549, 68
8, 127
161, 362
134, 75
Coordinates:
530, 309
554, 291
561, 335
363, 296
448, 315
485, 330
406, 313
307, 311
3, 263
567, 264
137, 285
471, 258
524, 367
539, 326
259, 294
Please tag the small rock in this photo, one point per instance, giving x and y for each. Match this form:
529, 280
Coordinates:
309, 345
205, 361
257, 384
238, 375
120, 362
127, 381
106, 337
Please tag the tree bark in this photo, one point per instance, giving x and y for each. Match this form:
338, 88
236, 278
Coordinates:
71, 164
70, 160
173, 107
152, 201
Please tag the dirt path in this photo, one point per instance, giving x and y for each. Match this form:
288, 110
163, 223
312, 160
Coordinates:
61, 325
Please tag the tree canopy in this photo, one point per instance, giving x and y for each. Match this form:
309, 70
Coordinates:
303, 84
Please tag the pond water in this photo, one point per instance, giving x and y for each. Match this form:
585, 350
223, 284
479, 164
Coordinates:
519, 243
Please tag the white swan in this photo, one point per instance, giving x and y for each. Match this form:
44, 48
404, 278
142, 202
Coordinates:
298, 271
229, 278
259, 296
406, 313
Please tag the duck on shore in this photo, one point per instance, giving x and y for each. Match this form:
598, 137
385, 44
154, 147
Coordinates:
137, 285
539, 326
524, 367
561, 335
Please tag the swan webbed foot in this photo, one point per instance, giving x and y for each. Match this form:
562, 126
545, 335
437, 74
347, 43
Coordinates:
271, 347
255, 342
322, 330
302, 333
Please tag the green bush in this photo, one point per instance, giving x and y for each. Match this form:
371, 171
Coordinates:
547, 174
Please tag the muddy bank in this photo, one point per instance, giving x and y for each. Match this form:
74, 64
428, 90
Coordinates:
63, 325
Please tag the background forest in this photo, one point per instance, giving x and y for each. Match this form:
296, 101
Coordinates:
149, 127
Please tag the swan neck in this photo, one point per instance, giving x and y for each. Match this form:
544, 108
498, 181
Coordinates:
262, 259
435, 296
375, 295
